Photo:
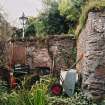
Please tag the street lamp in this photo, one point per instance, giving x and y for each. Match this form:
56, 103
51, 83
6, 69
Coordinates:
23, 20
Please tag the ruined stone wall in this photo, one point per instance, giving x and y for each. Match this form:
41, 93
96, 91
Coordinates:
52, 52
37, 54
60, 49
32, 52
2, 52
91, 43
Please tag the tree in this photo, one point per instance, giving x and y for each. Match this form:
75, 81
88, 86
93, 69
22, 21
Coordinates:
30, 30
19, 33
58, 16
71, 10
54, 23
50, 22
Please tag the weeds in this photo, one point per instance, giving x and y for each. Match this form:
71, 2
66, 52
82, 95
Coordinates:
39, 95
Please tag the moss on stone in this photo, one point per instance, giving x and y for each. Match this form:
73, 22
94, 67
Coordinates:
89, 6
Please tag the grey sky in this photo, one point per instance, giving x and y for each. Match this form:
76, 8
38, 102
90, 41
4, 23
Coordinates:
14, 8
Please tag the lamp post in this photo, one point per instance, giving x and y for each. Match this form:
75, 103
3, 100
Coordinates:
23, 20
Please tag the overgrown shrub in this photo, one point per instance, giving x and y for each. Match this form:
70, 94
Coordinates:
39, 95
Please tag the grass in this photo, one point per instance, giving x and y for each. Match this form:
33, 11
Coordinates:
39, 95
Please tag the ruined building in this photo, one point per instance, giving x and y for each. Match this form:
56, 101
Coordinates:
91, 43
53, 52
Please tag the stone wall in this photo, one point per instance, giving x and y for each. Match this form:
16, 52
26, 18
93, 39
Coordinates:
60, 49
2, 52
54, 52
91, 43
37, 54
5, 28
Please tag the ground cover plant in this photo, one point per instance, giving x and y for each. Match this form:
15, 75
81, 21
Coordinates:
39, 95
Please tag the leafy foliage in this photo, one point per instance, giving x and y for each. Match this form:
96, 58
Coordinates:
51, 22
40, 28
55, 22
71, 8
62, 16
77, 11
39, 95
30, 31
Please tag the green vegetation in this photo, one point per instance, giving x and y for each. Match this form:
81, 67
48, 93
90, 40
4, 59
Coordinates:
77, 11
50, 22
35, 96
58, 17
61, 17
39, 95
31, 30
71, 9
